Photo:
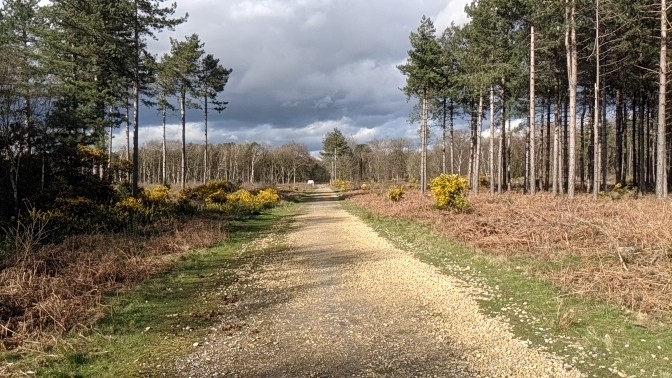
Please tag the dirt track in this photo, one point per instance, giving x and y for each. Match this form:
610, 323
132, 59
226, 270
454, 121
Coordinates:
333, 299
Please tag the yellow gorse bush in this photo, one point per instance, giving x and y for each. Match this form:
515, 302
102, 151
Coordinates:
130, 204
268, 197
342, 185
365, 186
396, 194
219, 196
242, 201
240, 196
450, 191
158, 195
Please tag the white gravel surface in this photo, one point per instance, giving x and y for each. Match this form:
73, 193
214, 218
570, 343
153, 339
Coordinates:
337, 300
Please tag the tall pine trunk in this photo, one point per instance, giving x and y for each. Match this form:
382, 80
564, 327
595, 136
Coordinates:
451, 132
503, 171
477, 160
492, 140
549, 150
164, 152
572, 75
597, 159
183, 122
423, 141
556, 145
641, 147
206, 162
444, 137
532, 138
619, 137
136, 104
661, 158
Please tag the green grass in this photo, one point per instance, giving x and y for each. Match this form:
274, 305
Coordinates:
598, 338
161, 319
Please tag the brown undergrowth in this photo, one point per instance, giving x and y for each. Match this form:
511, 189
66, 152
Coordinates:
60, 288
619, 250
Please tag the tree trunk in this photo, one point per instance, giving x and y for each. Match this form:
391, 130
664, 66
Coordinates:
164, 153
604, 143
136, 147
549, 152
542, 149
127, 149
503, 143
641, 161
444, 141
597, 164
477, 136
618, 159
206, 162
661, 148
633, 146
110, 150
532, 138
565, 147
572, 67
556, 145
183, 122
596, 141
451, 132
136, 104
582, 147
492, 140
423, 141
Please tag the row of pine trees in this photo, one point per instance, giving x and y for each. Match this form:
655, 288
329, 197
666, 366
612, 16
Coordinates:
588, 77
73, 71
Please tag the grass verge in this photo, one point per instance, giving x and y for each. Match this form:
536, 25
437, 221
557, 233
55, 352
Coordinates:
598, 338
157, 322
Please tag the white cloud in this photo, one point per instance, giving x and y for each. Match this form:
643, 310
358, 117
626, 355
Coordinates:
250, 10
453, 12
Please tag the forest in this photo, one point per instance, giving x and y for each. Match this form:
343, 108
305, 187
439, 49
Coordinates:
563, 100
73, 73
588, 80
594, 70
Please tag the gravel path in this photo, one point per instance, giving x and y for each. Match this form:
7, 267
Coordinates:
339, 301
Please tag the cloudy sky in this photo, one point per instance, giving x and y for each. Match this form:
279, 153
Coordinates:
303, 67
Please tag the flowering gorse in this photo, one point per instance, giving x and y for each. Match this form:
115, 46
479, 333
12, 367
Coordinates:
396, 194
450, 192
158, 195
342, 185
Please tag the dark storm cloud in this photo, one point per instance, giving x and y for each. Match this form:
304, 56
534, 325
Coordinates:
303, 67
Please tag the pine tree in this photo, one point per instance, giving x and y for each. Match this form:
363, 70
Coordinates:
164, 89
334, 147
183, 66
212, 79
147, 17
424, 79
20, 88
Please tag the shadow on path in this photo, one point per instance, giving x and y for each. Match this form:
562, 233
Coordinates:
321, 195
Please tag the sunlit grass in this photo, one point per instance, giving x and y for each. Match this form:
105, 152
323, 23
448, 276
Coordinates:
160, 320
